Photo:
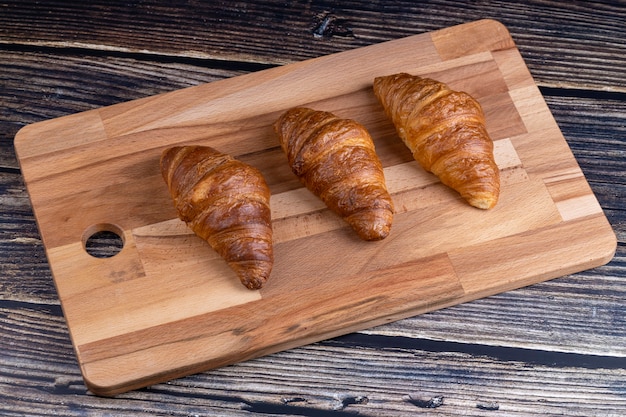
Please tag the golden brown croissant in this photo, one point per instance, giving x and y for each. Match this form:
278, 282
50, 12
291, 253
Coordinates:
445, 130
225, 202
335, 159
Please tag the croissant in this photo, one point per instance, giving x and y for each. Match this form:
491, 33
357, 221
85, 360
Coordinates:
336, 160
445, 130
225, 202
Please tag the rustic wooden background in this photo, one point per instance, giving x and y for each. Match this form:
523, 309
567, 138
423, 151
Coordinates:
556, 348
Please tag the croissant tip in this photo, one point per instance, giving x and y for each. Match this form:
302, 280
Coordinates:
484, 203
253, 274
375, 235
371, 225
255, 283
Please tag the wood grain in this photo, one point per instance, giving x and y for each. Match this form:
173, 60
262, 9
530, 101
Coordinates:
514, 341
213, 31
113, 153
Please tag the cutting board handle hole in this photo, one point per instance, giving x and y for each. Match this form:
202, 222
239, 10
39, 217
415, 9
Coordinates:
103, 240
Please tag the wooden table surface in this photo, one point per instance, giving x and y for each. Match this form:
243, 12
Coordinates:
555, 348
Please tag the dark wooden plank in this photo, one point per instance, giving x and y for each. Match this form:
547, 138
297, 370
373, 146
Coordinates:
595, 130
556, 40
78, 82
550, 349
375, 376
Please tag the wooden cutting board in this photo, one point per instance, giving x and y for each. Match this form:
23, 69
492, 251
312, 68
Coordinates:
167, 306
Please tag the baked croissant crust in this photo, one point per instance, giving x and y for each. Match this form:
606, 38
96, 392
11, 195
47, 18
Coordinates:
445, 130
336, 160
225, 202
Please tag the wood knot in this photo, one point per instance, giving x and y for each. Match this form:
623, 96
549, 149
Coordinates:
328, 25
426, 401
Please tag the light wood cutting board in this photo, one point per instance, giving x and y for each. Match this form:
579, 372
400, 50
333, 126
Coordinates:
167, 306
